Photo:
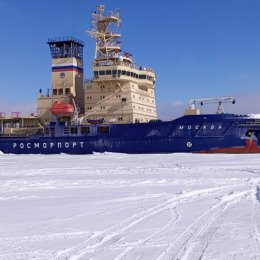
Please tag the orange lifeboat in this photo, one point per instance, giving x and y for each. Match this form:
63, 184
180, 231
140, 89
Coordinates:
62, 108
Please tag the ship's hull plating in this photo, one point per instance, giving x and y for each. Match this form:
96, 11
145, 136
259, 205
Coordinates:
81, 145
197, 134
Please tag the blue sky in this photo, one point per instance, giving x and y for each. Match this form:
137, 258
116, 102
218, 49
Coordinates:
198, 48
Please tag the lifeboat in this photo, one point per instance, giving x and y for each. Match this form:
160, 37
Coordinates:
62, 108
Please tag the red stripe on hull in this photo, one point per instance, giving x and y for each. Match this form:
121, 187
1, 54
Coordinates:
250, 147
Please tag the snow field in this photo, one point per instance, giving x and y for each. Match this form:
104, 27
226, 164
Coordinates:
118, 206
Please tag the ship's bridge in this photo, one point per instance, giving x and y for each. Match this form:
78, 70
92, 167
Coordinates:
123, 71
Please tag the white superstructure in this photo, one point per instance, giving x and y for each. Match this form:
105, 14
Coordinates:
119, 91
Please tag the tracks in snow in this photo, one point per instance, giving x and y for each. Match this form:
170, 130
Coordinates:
255, 209
184, 244
195, 238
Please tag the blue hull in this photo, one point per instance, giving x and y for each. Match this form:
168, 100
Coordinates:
207, 133
81, 145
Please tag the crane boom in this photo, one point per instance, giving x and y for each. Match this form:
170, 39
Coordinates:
218, 100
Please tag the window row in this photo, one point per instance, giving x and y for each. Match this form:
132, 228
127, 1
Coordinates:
61, 91
142, 98
102, 108
69, 130
84, 130
118, 73
142, 108
102, 97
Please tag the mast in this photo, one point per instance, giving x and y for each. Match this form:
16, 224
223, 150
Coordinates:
104, 31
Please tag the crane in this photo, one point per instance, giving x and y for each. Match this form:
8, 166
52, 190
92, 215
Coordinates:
218, 100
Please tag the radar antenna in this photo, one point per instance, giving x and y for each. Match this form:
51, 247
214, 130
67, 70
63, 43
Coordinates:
103, 30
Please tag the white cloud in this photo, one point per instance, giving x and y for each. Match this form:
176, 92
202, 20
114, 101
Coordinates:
178, 103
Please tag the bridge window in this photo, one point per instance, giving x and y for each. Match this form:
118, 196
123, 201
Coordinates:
114, 72
67, 91
142, 76
123, 72
108, 72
